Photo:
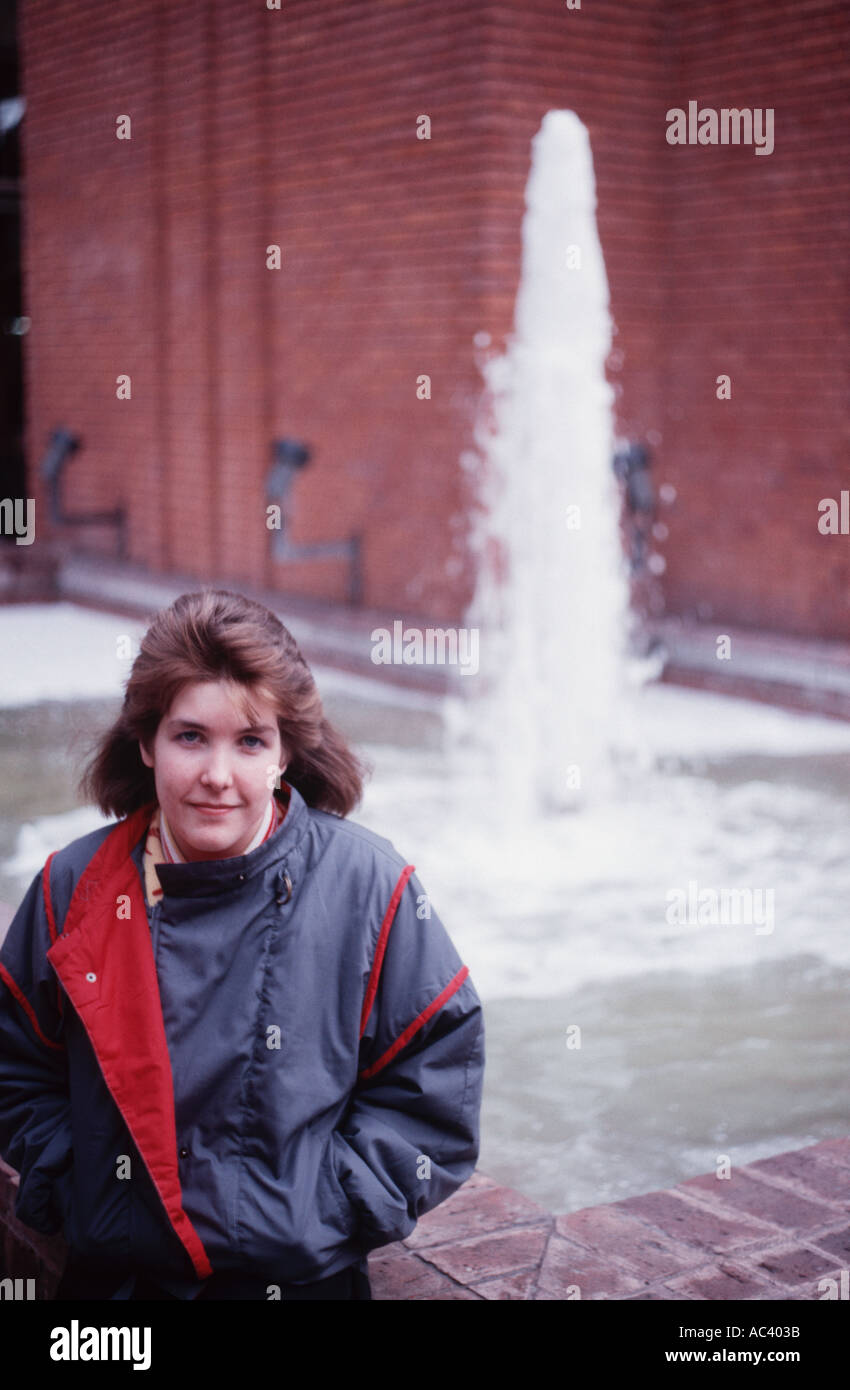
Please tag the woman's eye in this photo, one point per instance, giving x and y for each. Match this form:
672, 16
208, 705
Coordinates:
190, 737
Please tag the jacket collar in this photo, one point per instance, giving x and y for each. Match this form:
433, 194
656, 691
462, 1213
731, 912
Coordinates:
203, 878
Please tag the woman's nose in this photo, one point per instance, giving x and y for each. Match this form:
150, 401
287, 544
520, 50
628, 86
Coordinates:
216, 770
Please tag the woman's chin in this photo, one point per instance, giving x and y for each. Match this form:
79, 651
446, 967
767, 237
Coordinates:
214, 841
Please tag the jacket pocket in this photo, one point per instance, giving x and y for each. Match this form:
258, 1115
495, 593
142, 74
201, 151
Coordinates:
44, 1194
61, 1199
95, 1201
293, 1222
345, 1206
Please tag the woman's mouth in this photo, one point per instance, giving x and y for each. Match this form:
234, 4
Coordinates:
213, 810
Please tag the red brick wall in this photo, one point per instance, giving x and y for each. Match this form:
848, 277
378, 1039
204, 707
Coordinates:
297, 127
250, 128
719, 261
758, 254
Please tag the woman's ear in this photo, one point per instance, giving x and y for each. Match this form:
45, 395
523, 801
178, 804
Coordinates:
146, 757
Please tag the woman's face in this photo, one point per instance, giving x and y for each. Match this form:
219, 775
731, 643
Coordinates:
208, 754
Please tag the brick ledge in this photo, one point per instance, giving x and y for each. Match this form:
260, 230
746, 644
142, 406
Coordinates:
772, 1231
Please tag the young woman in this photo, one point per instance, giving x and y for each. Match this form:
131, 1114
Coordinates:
238, 1049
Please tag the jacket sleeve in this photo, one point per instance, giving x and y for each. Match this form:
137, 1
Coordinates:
35, 1110
410, 1135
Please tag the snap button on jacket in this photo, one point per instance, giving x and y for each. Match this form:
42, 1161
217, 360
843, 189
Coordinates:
277, 1068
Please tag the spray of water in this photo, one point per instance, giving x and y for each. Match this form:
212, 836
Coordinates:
552, 600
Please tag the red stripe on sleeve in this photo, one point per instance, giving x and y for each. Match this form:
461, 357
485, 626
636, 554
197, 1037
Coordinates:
417, 1023
48, 902
383, 937
51, 920
27, 1008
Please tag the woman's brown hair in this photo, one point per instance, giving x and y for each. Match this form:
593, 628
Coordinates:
219, 635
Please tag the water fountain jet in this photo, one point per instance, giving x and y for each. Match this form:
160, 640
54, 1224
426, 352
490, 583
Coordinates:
552, 599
